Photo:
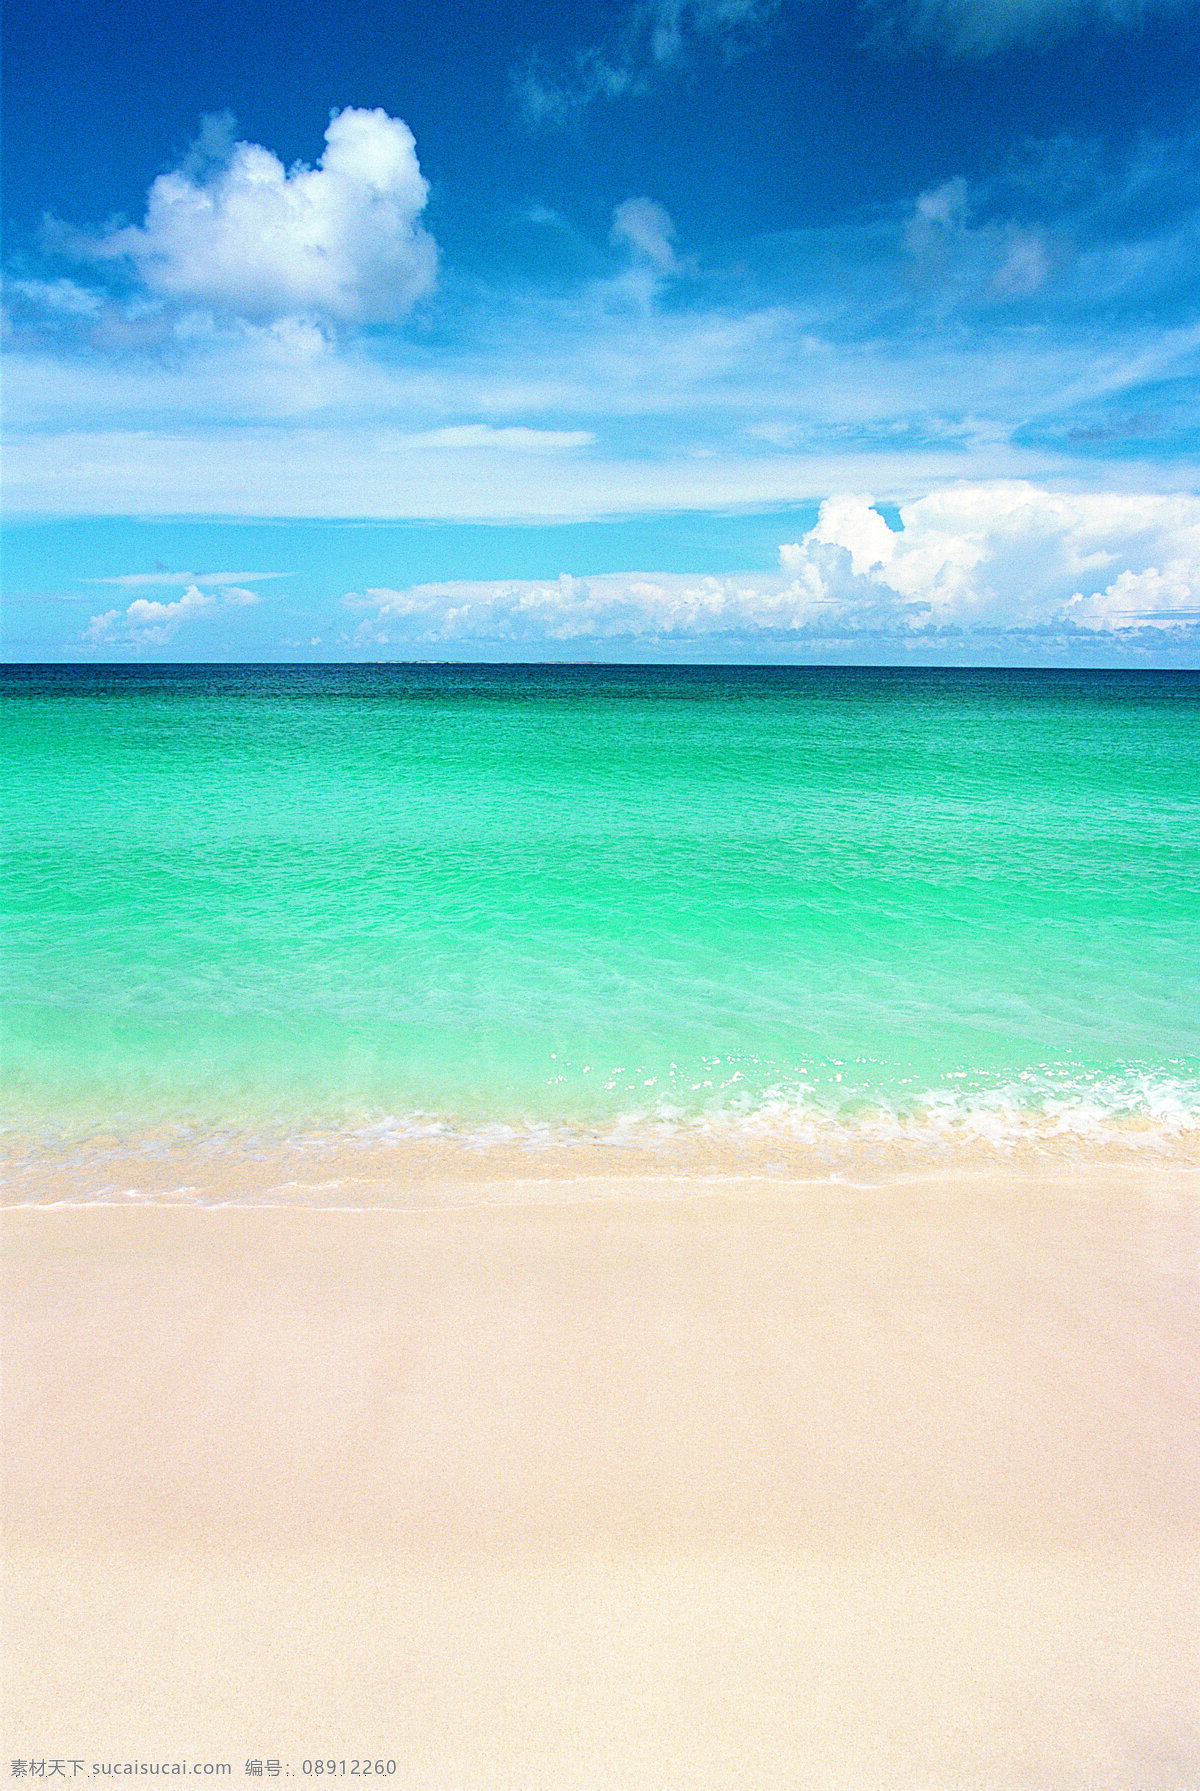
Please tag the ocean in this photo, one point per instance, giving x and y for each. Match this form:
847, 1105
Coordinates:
791, 912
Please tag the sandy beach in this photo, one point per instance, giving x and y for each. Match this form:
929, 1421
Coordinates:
616, 1485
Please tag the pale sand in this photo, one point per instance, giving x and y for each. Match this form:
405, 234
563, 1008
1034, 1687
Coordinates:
616, 1487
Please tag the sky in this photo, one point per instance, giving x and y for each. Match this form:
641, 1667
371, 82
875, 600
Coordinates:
853, 331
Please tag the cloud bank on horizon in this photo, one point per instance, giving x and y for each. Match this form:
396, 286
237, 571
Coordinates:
1003, 559
1006, 561
1002, 340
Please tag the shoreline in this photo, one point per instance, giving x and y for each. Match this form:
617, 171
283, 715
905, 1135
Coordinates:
634, 1487
348, 1172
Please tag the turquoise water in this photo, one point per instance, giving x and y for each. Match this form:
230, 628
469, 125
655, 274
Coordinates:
586, 897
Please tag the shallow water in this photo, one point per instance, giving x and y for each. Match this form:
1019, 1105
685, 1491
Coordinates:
556, 902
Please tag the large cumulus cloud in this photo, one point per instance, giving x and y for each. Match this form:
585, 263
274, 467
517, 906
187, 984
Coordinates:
1009, 555
248, 236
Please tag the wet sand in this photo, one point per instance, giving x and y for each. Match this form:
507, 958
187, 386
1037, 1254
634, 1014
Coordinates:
616, 1486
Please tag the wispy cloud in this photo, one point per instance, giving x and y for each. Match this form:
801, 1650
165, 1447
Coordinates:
648, 230
513, 440
652, 39
132, 580
992, 261
64, 297
979, 28
657, 37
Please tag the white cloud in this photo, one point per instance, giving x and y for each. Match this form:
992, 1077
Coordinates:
1165, 595
248, 236
998, 559
1009, 556
146, 623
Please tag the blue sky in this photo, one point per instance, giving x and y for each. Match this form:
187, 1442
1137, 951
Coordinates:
746, 329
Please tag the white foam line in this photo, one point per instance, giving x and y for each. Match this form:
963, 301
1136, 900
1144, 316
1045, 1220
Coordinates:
615, 1187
